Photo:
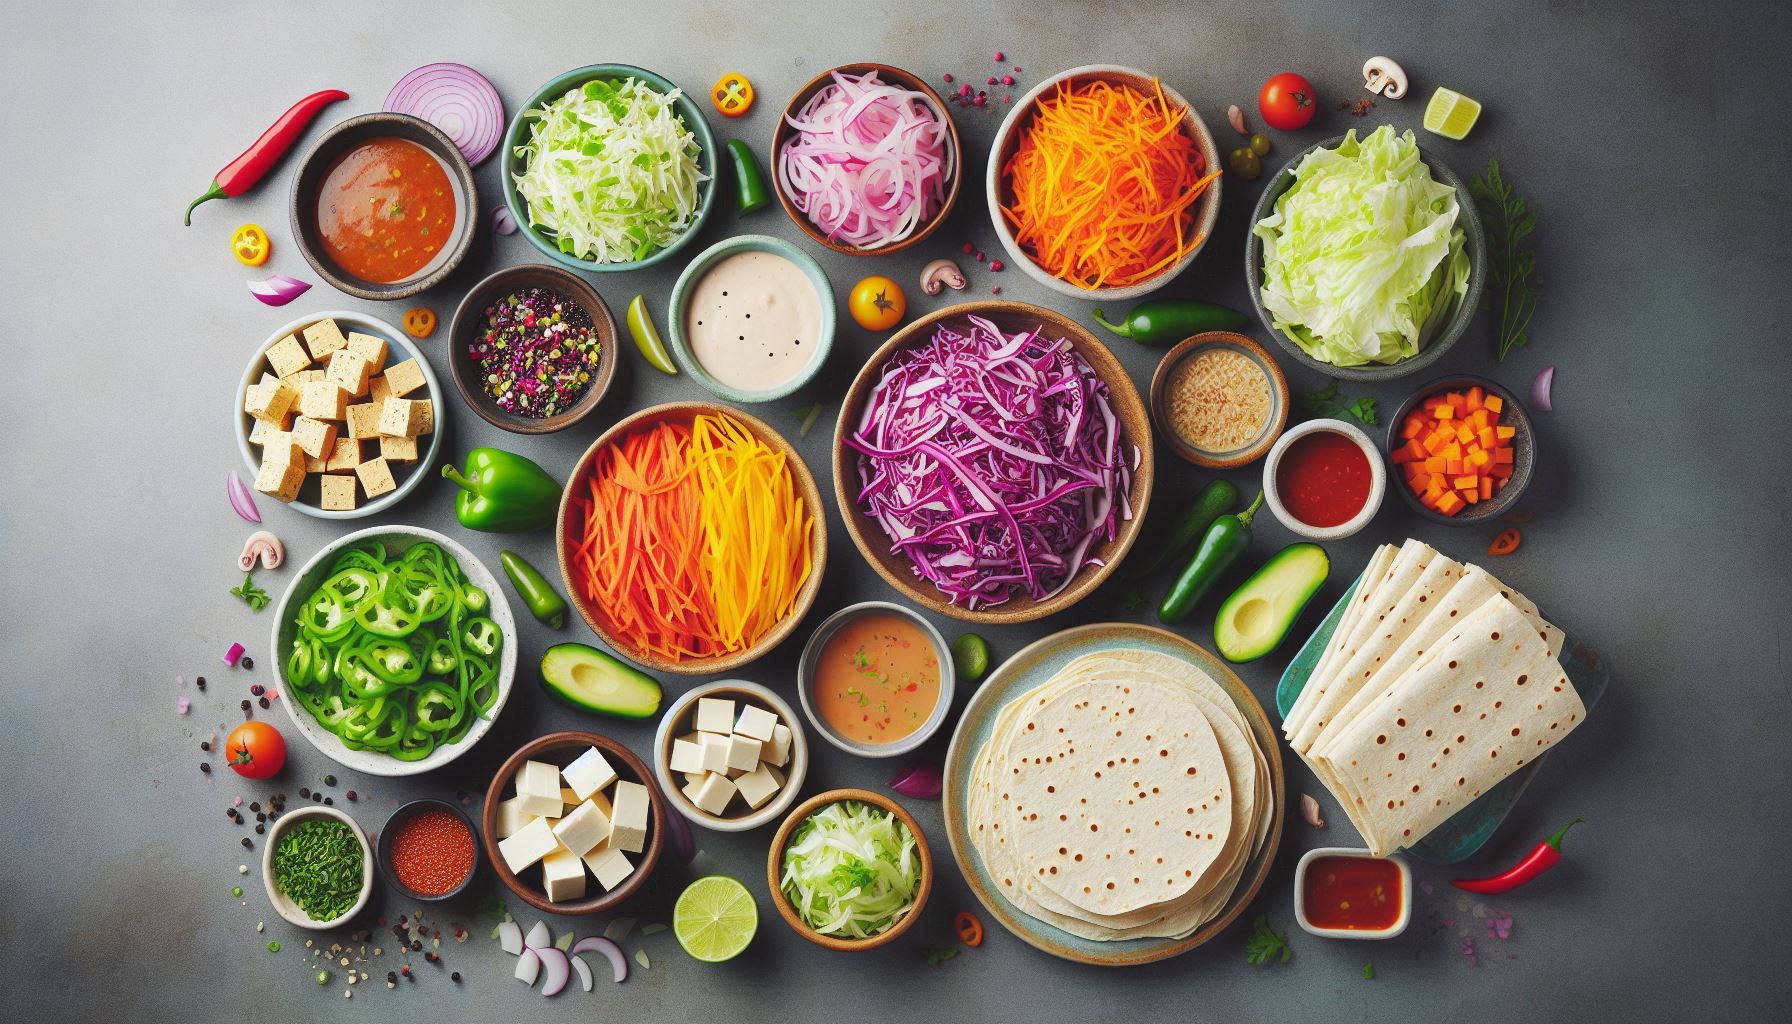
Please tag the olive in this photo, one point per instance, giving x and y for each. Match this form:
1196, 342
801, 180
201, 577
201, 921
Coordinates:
1260, 144
1244, 163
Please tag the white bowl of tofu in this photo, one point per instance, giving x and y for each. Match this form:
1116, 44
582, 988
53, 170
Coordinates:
730, 755
572, 823
304, 584
338, 415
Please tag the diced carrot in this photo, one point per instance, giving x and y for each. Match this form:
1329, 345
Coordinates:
1437, 482
1465, 433
1500, 469
1454, 467
1411, 428
1485, 436
1449, 504
1402, 455
1478, 458
1495, 403
1457, 400
1413, 473
1503, 455
1447, 411
1434, 442
1477, 419
1417, 450
1436, 464
1473, 497
1453, 450
1463, 483
1505, 433
1486, 488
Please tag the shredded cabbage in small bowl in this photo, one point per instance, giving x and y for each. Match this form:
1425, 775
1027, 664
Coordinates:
851, 870
611, 171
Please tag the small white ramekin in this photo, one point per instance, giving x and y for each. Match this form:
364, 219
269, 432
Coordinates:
1300, 896
1378, 480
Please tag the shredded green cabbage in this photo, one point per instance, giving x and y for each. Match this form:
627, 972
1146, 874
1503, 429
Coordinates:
851, 870
1362, 258
610, 170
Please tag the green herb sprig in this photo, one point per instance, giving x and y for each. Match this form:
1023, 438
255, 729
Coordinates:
936, 957
1266, 944
1325, 402
252, 595
1509, 221
1368, 972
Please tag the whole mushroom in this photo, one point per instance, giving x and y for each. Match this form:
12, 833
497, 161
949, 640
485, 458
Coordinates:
264, 547
941, 273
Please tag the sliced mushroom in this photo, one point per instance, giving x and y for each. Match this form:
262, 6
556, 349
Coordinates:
1384, 78
264, 547
941, 273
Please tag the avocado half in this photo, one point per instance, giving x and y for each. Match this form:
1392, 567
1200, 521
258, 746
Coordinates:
1257, 617
593, 681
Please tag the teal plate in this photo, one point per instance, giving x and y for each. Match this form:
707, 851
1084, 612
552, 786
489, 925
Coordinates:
1032, 666
1468, 829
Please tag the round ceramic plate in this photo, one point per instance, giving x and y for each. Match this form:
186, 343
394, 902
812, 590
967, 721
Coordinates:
1035, 664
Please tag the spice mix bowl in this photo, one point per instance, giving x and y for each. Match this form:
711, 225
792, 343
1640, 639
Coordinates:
428, 850
316, 859
510, 327
1219, 400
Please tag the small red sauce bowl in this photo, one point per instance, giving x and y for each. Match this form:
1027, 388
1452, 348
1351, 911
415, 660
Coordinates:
1280, 503
1305, 919
383, 851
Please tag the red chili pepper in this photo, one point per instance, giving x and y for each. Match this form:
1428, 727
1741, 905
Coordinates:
970, 930
1540, 860
239, 175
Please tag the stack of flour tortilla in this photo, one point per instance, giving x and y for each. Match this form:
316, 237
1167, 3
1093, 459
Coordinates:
1120, 799
1438, 682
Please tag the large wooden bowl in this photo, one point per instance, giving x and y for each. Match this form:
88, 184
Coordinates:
895, 568
684, 412
774, 867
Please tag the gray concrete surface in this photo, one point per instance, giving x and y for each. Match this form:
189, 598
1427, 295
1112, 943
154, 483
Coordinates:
1649, 137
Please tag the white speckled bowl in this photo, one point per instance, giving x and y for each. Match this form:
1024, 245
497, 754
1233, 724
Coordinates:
1378, 480
677, 721
287, 909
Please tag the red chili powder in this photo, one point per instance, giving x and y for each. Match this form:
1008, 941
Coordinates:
432, 852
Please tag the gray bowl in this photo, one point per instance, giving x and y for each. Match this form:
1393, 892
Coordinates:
1474, 242
1524, 451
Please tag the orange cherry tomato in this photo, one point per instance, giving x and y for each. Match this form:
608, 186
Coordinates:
250, 245
255, 750
970, 930
732, 94
419, 321
877, 303
1505, 542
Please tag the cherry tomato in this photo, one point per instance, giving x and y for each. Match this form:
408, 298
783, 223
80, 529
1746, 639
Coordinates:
732, 94
877, 303
1287, 101
250, 245
255, 750
420, 321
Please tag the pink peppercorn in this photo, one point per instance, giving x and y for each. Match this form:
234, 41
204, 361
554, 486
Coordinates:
979, 255
969, 248
992, 80
995, 265
948, 76
965, 89
1007, 79
998, 56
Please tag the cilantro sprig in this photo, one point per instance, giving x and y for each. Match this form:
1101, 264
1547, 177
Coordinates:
252, 595
1266, 945
1325, 402
1508, 222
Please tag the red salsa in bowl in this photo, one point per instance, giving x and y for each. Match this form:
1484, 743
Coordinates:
1353, 893
1324, 479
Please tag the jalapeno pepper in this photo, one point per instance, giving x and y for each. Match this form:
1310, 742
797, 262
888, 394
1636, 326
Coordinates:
250, 245
750, 189
241, 174
732, 94
1225, 540
1213, 502
1163, 321
545, 603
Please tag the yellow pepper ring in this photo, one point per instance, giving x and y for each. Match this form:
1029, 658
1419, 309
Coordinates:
419, 322
732, 94
250, 245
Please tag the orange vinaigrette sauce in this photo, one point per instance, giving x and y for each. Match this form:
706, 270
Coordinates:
878, 678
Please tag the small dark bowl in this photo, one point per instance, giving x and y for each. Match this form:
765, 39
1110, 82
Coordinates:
890, 76
1524, 452
1474, 242
346, 136
471, 311
382, 848
1278, 404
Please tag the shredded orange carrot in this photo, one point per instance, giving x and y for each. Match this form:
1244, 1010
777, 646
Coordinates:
693, 541
1105, 182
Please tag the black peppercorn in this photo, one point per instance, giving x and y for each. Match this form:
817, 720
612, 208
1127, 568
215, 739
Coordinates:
329, 780
247, 663
204, 767
247, 845
200, 682
264, 704
454, 977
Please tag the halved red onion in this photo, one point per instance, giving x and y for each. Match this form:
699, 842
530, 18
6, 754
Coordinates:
456, 99
611, 951
1540, 388
503, 221
240, 498
528, 967
278, 290
583, 970
920, 779
555, 971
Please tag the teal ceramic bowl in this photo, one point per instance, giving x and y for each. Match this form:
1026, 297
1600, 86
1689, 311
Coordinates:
518, 133
680, 343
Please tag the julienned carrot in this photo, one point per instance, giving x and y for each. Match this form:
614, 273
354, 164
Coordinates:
694, 541
1105, 181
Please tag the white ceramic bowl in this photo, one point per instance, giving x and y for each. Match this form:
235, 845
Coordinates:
677, 721
1208, 205
287, 909
306, 580
805, 681
1300, 896
1378, 480
399, 349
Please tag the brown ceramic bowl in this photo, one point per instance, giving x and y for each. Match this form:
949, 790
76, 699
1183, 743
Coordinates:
345, 137
1252, 450
684, 412
893, 76
1524, 451
470, 315
560, 748
1129, 409
774, 863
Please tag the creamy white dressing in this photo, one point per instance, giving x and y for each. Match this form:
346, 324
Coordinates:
753, 320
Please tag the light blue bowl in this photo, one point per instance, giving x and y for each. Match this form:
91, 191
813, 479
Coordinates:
517, 134
694, 271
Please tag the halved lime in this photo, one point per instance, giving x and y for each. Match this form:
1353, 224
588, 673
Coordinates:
1451, 114
970, 657
715, 918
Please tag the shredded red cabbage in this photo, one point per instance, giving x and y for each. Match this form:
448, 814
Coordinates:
993, 462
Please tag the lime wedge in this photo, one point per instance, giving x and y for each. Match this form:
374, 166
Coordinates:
715, 918
1451, 114
970, 657
647, 337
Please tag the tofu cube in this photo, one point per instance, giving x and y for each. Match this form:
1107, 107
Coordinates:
350, 371
587, 774
376, 477
530, 843
346, 455
404, 378
758, 785
316, 437
690, 777
713, 751
712, 794
259, 432
583, 828
324, 339
715, 714
379, 389
369, 348
609, 865
755, 722
562, 875
628, 821
338, 492
778, 750
401, 417
426, 409
281, 447
398, 449
364, 421
743, 752
281, 479
269, 400
314, 464
287, 356
687, 754
511, 818
538, 787
323, 400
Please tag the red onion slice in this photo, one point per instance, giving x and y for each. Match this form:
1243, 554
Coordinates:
611, 951
503, 221
240, 498
278, 290
583, 970
539, 937
510, 938
1540, 388
556, 970
920, 779
456, 99
528, 967
234, 654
